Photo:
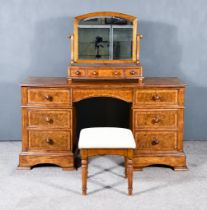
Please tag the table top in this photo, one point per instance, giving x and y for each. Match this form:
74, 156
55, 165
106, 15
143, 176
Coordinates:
64, 82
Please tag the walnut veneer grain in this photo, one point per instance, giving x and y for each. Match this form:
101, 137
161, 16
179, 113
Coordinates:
48, 126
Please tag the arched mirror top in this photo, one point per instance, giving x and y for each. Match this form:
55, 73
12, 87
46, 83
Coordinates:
105, 37
105, 15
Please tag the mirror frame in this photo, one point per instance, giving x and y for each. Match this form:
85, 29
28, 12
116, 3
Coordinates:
74, 38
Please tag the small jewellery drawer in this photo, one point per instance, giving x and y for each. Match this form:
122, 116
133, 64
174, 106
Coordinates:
49, 140
156, 97
165, 119
50, 118
48, 96
130, 73
103, 73
157, 141
77, 72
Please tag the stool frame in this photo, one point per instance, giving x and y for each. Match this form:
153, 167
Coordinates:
89, 152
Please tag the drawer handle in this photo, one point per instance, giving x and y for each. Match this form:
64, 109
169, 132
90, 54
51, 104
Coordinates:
155, 141
156, 98
133, 72
78, 73
156, 120
95, 73
116, 73
48, 120
49, 141
48, 97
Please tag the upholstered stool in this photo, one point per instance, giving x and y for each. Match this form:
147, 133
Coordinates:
106, 141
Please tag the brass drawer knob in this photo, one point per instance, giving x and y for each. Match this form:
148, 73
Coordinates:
133, 72
77, 72
156, 120
156, 98
155, 141
48, 120
94, 73
48, 97
49, 141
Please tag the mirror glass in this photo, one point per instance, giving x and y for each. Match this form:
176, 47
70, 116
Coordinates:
105, 38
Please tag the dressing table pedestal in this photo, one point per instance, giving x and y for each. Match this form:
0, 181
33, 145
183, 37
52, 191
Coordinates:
49, 119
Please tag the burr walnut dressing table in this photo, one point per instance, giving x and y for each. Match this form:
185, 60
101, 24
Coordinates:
104, 63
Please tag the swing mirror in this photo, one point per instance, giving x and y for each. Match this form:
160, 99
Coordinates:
105, 37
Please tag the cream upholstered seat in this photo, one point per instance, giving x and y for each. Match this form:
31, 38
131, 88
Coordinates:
106, 137
106, 141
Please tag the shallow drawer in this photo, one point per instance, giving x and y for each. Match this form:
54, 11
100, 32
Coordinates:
156, 97
49, 96
78, 72
155, 119
156, 141
49, 140
50, 118
102, 73
133, 73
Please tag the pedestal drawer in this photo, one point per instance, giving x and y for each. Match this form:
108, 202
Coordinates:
50, 118
156, 141
49, 140
156, 97
49, 96
156, 119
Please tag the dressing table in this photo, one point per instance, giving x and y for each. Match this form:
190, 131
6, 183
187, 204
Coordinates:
105, 62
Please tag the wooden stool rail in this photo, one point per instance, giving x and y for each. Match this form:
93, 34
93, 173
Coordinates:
106, 141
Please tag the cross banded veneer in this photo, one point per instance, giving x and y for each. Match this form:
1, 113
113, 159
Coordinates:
49, 119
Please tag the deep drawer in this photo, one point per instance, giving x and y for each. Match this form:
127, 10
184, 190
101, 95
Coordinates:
49, 140
165, 119
156, 141
50, 118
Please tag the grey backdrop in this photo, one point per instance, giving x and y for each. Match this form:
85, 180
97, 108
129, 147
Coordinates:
33, 42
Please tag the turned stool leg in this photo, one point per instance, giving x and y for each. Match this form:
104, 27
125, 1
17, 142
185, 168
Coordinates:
130, 175
125, 164
84, 163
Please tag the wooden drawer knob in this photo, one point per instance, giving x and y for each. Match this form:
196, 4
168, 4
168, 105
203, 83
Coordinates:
156, 98
77, 72
49, 120
133, 72
49, 141
156, 120
94, 73
116, 73
48, 97
155, 142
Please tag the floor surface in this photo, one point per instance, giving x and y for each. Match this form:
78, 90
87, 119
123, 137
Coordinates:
155, 188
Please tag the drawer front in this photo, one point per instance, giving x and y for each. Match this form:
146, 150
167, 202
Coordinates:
133, 73
103, 73
156, 141
49, 140
78, 72
155, 119
156, 97
50, 118
48, 96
